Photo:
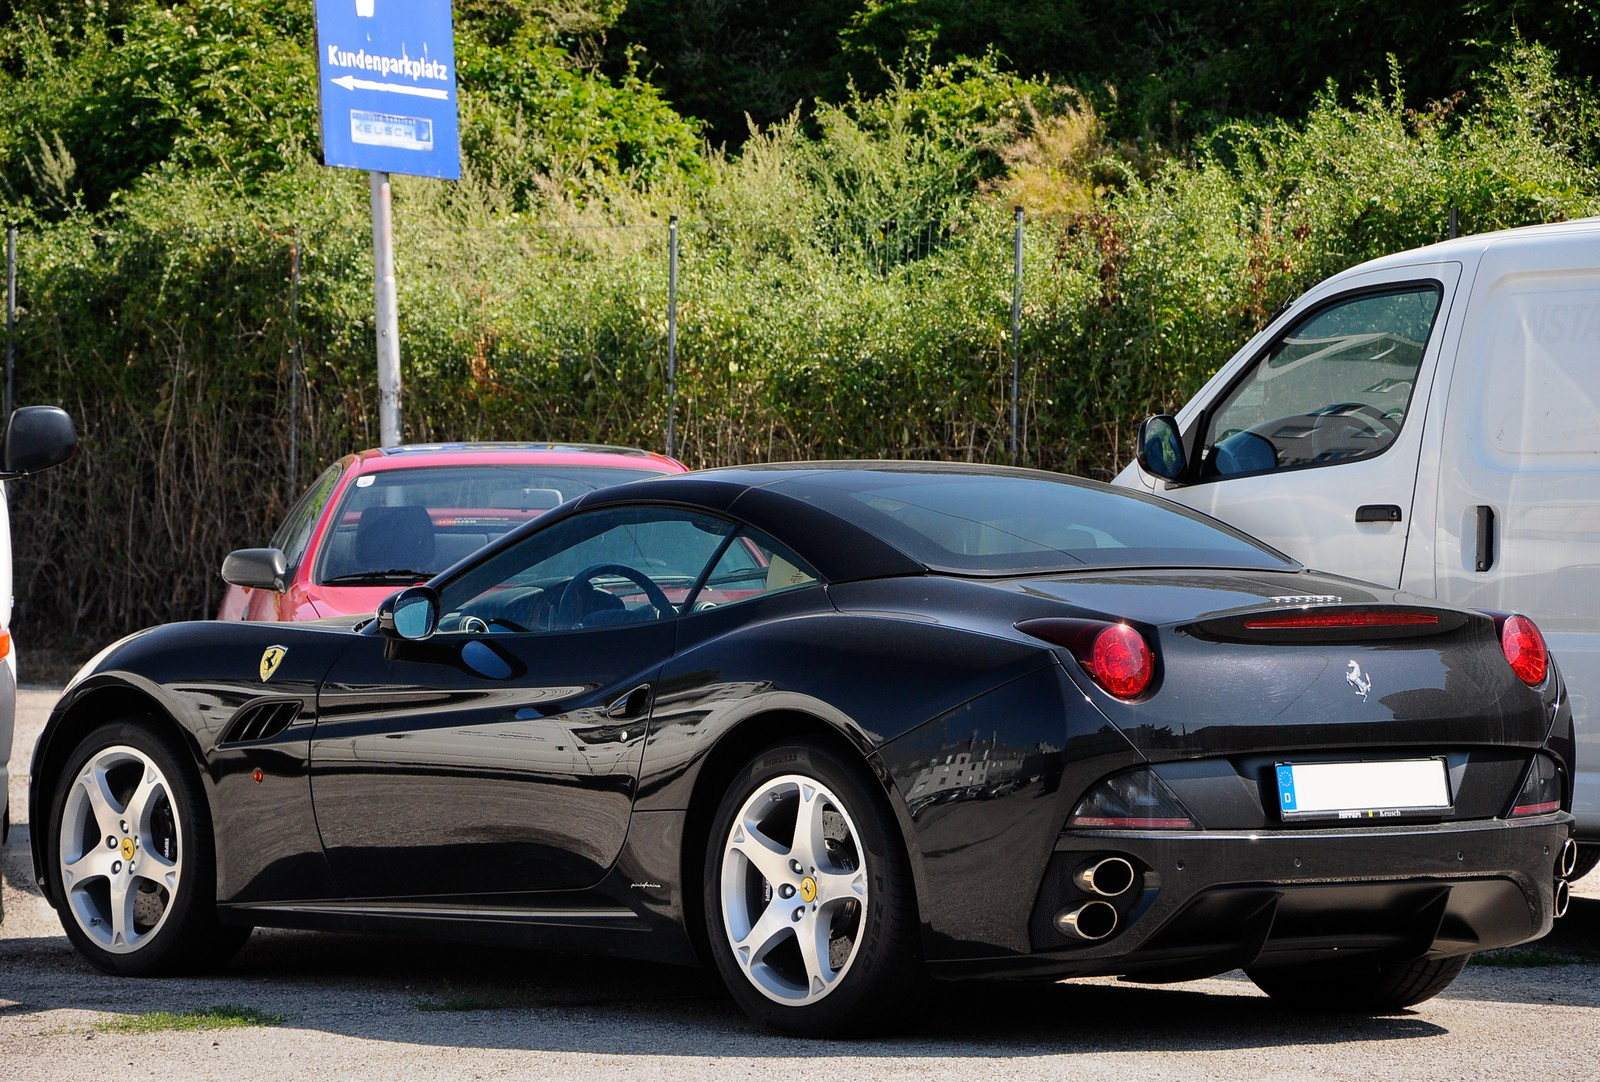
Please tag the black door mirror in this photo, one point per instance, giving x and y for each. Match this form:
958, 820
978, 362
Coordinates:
1160, 451
412, 613
260, 569
37, 438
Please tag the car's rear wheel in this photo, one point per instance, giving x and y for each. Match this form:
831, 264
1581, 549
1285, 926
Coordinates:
808, 899
1373, 990
131, 855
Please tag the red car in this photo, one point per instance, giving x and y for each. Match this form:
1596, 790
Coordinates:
395, 516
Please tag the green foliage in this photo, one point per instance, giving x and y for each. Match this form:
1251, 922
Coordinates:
145, 87
845, 284
537, 127
222, 84
224, 1017
737, 65
1155, 69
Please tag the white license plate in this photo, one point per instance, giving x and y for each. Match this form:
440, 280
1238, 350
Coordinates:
1362, 790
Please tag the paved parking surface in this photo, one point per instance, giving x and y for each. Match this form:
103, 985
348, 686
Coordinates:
350, 1008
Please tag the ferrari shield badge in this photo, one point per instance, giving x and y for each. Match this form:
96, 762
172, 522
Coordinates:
271, 659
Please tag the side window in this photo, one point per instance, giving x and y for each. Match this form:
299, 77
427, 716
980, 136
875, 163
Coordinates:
1336, 387
295, 533
601, 569
753, 565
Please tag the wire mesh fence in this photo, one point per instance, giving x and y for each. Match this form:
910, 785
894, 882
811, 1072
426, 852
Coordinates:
214, 372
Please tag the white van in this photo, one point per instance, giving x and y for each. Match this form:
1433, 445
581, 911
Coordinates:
36, 438
1430, 421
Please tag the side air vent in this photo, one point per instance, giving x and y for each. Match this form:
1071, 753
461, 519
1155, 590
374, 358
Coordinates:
261, 720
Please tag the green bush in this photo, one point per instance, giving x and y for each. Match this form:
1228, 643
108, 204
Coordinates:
843, 292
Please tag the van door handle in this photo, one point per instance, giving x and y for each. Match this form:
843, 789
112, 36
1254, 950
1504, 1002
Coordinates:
1485, 537
1378, 512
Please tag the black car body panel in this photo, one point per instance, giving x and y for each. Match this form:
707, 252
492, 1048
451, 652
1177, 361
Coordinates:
556, 788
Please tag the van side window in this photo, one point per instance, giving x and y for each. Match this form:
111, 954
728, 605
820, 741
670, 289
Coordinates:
1334, 388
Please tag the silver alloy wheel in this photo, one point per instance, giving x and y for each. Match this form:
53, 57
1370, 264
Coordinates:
793, 889
118, 849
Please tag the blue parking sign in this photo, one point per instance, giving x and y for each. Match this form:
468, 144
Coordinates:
387, 80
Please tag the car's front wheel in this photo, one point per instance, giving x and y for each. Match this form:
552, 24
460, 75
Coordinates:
1374, 990
808, 898
131, 855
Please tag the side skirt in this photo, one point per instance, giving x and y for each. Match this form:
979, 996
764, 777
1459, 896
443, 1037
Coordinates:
607, 930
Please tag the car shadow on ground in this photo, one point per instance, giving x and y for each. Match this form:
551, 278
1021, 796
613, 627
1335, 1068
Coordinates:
456, 996
451, 996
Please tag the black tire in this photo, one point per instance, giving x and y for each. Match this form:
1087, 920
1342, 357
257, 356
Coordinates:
1364, 990
858, 894
1588, 857
138, 847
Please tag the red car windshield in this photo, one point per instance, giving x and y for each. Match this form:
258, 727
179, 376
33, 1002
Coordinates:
401, 526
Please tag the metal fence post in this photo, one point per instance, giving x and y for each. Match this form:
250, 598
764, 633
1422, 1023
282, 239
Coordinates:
11, 316
672, 335
387, 311
1016, 334
294, 369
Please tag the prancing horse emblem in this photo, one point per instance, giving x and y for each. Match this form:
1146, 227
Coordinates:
1352, 676
274, 657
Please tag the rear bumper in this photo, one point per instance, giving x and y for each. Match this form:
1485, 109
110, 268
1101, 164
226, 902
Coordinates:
1204, 902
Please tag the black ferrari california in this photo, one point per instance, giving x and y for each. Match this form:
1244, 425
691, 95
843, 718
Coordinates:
831, 728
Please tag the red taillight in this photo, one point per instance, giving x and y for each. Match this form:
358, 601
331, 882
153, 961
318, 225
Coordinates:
1120, 661
1340, 619
1116, 656
1524, 649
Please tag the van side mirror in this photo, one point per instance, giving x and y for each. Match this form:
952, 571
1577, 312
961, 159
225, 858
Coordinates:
259, 569
1160, 450
37, 438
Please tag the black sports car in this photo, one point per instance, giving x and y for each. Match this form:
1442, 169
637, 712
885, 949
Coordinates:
831, 727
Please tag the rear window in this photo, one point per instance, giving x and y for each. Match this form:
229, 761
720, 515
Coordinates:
1027, 522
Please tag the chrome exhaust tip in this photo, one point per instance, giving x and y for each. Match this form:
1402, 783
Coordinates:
1569, 859
1091, 921
1107, 877
1563, 898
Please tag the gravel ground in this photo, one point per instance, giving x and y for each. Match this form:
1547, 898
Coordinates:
336, 1007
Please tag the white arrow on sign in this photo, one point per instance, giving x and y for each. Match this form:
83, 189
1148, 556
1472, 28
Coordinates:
350, 82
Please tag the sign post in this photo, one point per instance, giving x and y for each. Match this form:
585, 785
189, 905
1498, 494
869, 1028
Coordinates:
387, 83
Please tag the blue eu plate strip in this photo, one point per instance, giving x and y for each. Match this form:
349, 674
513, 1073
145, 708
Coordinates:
1286, 787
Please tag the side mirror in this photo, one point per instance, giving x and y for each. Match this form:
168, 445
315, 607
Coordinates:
37, 438
260, 569
1160, 451
413, 613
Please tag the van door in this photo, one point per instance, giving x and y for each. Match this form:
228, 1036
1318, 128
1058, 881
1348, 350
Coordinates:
1310, 440
1519, 502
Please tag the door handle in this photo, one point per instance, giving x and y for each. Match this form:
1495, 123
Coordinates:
635, 704
1485, 558
1378, 512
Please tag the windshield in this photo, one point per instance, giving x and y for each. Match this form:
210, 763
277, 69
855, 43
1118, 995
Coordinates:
396, 527
990, 524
